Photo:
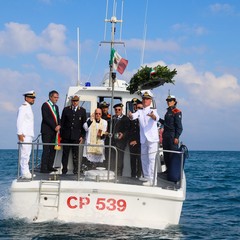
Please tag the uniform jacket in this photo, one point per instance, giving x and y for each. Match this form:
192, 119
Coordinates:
134, 132
25, 120
72, 123
120, 124
48, 122
148, 126
172, 122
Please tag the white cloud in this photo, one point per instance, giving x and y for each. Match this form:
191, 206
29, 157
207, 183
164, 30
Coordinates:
19, 38
221, 8
196, 30
61, 64
208, 89
205, 89
15, 84
153, 45
53, 38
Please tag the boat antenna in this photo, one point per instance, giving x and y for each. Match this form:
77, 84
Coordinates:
112, 74
144, 34
105, 27
78, 56
120, 38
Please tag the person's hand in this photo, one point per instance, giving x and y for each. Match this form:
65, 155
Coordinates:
151, 115
120, 135
57, 128
133, 143
99, 133
92, 116
130, 115
80, 140
21, 138
176, 141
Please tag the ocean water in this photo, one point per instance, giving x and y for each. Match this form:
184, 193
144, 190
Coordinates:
211, 209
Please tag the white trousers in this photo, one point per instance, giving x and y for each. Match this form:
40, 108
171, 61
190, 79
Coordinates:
25, 155
148, 155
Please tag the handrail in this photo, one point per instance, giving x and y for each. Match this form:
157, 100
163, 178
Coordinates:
37, 143
35, 163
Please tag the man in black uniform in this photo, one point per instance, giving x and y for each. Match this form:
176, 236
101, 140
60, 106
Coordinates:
121, 124
172, 130
106, 116
72, 131
50, 127
134, 142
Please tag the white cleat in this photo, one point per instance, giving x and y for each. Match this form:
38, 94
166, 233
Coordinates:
143, 179
28, 176
149, 183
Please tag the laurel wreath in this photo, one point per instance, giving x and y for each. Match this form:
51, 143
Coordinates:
149, 78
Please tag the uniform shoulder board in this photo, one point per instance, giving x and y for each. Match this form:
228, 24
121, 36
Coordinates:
152, 108
176, 110
24, 104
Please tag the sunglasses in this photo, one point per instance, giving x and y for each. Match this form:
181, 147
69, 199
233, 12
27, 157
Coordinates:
75, 100
97, 113
118, 109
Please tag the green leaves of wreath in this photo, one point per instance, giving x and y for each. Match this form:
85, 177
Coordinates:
149, 78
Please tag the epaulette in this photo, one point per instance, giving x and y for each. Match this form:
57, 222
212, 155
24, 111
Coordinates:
176, 110
24, 104
152, 108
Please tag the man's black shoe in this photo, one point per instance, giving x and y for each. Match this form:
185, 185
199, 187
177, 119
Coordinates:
44, 171
52, 169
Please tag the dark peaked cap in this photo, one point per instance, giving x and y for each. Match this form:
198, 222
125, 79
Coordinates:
104, 104
136, 101
118, 105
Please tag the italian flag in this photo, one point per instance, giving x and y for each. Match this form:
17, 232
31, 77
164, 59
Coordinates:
152, 72
117, 61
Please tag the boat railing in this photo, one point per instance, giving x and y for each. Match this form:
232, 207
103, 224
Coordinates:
181, 153
35, 159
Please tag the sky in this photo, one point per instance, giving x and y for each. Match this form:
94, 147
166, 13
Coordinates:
38, 51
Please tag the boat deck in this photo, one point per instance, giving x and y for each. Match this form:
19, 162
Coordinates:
161, 180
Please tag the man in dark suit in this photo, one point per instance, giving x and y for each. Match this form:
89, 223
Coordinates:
134, 142
49, 129
121, 124
72, 131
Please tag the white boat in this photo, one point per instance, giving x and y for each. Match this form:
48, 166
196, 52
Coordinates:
98, 196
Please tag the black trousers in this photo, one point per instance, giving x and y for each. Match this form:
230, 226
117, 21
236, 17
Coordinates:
48, 153
66, 150
120, 159
168, 144
135, 160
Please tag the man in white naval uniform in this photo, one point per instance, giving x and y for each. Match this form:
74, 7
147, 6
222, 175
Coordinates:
149, 137
25, 132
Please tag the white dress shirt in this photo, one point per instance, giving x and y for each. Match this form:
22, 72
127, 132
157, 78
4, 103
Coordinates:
148, 126
25, 120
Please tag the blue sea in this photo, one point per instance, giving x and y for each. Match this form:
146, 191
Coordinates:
211, 209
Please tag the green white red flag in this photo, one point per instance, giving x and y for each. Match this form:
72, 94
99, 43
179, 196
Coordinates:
118, 63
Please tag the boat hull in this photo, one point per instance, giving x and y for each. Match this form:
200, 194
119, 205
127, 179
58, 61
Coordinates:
97, 202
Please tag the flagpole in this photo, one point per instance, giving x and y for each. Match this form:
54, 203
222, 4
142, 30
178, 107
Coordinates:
112, 74
78, 57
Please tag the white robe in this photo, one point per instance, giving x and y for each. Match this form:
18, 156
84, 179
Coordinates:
90, 156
